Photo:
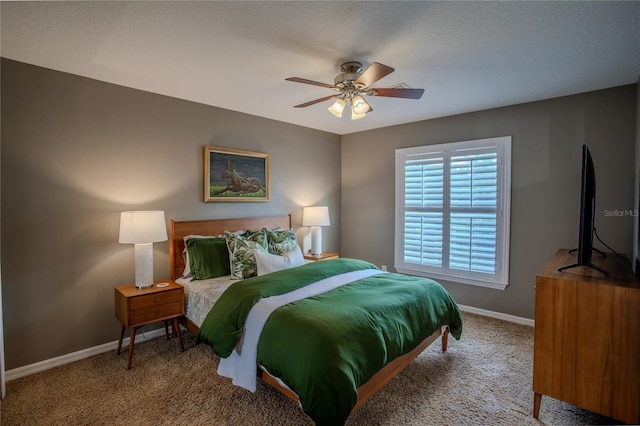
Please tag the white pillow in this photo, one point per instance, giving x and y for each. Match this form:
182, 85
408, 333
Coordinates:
267, 262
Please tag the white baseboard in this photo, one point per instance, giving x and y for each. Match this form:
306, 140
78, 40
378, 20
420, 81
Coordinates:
497, 315
26, 370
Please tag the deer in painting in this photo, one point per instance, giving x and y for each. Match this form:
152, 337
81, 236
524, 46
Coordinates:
238, 183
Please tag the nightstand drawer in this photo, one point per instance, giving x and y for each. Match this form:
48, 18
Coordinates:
155, 312
155, 300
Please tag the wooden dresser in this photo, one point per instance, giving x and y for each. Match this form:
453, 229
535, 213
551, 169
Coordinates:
587, 337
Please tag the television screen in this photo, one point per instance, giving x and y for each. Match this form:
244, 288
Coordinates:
587, 215
587, 208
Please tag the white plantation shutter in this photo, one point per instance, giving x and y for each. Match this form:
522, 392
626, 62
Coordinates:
452, 205
423, 224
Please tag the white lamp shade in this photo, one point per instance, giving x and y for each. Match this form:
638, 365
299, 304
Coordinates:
139, 227
315, 216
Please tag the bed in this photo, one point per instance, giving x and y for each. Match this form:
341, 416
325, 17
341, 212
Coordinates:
449, 320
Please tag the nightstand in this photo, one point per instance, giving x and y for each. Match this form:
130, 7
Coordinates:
324, 256
136, 307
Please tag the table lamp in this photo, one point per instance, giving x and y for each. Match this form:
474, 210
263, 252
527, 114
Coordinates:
315, 217
143, 228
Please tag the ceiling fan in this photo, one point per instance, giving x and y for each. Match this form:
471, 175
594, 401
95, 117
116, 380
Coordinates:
352, 84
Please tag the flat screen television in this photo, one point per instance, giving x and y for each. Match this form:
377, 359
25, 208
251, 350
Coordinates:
587, 215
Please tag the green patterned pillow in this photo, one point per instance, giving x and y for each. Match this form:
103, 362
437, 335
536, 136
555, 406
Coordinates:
241, 252
281, 242
208, 257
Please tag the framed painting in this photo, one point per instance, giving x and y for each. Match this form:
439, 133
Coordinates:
232, 175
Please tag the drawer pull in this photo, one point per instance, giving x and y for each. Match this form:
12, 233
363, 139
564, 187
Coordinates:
157, 299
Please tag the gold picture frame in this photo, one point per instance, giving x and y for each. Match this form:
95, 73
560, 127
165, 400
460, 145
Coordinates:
234, 175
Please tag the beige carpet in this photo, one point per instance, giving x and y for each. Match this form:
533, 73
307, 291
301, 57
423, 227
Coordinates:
485, 378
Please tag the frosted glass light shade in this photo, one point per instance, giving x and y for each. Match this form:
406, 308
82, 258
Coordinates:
143, 228
359, 105
337, 107
355, 116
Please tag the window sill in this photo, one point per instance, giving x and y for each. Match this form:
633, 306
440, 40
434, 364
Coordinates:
460, 280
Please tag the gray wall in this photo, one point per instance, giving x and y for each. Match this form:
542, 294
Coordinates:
545, 195
76, 152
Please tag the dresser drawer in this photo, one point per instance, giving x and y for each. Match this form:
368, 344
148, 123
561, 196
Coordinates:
155, 299
154, 313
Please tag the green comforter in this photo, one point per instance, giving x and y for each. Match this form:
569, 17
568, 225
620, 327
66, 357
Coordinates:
325, 347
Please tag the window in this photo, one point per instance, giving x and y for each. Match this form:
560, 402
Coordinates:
452, 211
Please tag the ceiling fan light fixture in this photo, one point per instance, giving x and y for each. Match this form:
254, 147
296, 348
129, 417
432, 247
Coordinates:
352, 84
337, 107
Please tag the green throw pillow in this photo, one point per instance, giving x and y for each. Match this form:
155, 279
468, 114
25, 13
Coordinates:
241, 252
208, 257
281, 242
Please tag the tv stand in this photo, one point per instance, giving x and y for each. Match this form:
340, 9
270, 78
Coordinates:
590, 265
587, 338
603, 254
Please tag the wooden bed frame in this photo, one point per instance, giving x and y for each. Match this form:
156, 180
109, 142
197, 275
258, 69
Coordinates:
180, 229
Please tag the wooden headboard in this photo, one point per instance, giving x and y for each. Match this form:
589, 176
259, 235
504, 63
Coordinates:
180, 229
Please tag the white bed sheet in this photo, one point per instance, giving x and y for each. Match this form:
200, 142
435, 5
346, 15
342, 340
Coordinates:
202, 294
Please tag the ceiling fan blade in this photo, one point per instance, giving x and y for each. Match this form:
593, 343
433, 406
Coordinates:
374, 73
316, 101
315, 83
399, 93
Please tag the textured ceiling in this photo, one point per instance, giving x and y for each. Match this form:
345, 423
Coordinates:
467, 56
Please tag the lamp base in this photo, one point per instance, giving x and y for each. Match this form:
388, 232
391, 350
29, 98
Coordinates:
144, 265
316, 240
